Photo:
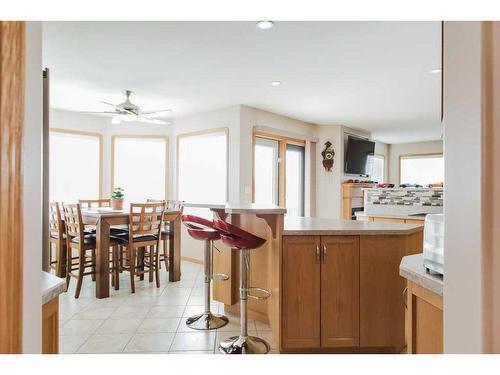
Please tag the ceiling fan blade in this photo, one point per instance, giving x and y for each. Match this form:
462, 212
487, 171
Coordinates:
118, 108
110, 104
154, 112
99, 113
152, 121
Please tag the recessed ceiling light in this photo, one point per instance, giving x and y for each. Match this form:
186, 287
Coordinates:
275, 83
264, 25
436, 71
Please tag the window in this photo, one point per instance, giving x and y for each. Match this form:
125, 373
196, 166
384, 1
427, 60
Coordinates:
421, 169
277, 182
294, 180
140, 167
202, 168
377, 167
266, 171
74, 166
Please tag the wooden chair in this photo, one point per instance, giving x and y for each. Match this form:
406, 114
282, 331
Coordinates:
92, 203
57, 240
143, 240
85, 245
171, 205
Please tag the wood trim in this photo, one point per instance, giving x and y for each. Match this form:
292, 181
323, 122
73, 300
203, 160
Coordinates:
195, 134
140, 136
101, 149
50, 327
192, 260
414, 155
281, 138
12, 77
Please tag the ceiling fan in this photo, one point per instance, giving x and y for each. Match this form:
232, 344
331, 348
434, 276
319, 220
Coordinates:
128, 111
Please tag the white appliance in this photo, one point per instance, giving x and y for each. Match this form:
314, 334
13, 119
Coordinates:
434, 243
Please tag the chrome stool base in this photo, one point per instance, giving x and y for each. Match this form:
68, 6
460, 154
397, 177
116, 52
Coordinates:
244, 345
206, 321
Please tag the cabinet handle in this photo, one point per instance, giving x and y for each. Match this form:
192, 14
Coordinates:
318, 256
324, 254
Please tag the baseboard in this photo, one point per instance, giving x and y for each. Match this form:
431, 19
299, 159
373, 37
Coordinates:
192, 260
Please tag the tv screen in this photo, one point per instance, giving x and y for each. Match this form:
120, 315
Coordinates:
356, 156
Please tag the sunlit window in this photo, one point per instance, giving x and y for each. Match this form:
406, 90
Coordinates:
294, 180
421, 169
74, 166
377, 167
202, 169
140, 167
266, 171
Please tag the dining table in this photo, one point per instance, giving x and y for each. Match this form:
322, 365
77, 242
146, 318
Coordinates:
103, 218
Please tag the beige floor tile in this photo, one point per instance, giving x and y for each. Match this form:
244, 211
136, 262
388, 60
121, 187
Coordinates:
262, 327
234, 325
80, 327
150, 342
179, 291
172, 300
193, 352
165, 312
112, 301
95, 313
193, 341
130, 311
268, 336
159, 325
70, 344
198, 309
118, 326
100, 344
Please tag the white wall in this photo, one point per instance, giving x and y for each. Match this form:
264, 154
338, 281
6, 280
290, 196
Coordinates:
32, 194
398, 149
463, 293
382, 149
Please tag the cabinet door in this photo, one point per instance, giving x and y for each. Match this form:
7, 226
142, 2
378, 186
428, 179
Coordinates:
340, 291
301, 292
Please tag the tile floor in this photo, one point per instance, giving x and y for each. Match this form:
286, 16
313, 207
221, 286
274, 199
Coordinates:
150, 321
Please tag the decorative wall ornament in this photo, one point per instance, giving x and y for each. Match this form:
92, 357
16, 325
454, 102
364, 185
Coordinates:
328, 153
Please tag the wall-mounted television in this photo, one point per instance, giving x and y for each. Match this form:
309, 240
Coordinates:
356, 156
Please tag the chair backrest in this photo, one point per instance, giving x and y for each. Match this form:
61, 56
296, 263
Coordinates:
73, 221
56, 225
146, 219
91, 203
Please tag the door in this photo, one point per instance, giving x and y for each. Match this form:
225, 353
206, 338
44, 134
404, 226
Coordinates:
340, 291
301, 292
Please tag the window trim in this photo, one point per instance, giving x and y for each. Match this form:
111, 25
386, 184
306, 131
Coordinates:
99, 136
196, 134
415, 156
114, 137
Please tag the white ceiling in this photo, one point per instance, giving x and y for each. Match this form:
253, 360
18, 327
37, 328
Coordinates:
368, 75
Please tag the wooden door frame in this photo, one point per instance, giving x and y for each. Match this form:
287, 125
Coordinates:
12, 100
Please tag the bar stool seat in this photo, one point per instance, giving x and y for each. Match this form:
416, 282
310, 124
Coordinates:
203, 230
244, 241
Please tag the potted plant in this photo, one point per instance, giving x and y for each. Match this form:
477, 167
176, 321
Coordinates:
117, 199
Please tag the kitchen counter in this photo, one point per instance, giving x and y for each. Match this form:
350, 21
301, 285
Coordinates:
362, 214
240, 208
412, 268
300, 226
52, 286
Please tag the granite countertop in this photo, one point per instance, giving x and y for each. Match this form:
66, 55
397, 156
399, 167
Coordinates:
404, 217
241, 208
52, 286
412, 268
320, 226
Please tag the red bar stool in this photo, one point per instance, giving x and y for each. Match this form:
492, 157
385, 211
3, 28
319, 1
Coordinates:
203, 230
244, 241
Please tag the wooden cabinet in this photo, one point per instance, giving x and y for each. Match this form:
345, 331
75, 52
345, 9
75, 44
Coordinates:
301, 308
320, 294
340, 291
50, 327
424, 321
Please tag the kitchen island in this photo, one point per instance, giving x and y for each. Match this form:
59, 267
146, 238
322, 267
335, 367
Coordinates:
335, 284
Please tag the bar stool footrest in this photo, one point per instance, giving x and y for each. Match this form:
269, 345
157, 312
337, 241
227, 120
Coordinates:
266, 293
244, 345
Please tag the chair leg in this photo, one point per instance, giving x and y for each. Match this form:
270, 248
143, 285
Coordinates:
81, 271
93, 262
140, 261
157, 266
69, 261
132, 269
165, 254
151, 268
116, 272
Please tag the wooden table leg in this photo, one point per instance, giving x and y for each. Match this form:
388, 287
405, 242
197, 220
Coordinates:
174, 246
102, 260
